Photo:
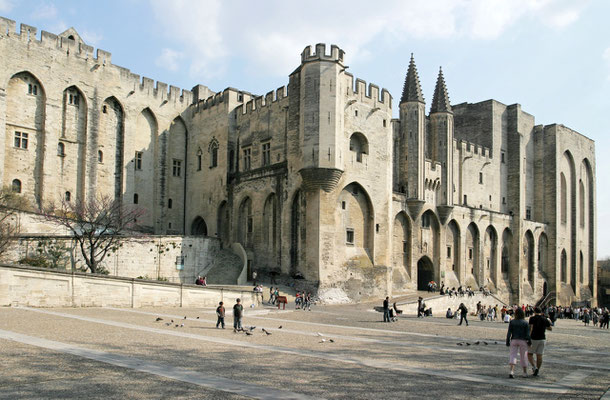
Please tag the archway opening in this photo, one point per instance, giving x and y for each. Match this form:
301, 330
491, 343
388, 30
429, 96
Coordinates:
199, 227
425, 273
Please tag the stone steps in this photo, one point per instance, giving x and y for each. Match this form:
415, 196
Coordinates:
225, 269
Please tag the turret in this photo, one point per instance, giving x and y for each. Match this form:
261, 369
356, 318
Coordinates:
321, 115
441, 138
412, 138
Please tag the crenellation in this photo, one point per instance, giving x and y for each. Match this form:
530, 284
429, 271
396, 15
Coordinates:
336, 54
103, 57
161, 88
27, 32
147, 85
49, 39
8, 27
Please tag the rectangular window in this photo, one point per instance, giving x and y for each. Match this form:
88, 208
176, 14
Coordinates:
343, 205
214, 157
528, 213
502, 158
448, 251
503, 200
176, 167
481, 178
470, 254
404, 246
349, 236
198, 162
247, 159
465, 199
21, 140
266, 153
138, 160
250, 227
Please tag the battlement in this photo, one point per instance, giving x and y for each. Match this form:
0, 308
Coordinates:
260, 102
368, 94
473, 150
336, 54
101, 58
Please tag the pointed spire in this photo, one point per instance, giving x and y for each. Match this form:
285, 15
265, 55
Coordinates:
440, 100
412, 89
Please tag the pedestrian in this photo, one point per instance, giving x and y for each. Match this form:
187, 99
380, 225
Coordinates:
254, 275
220, 313
518, 338
420, 307
238, 312
539, 324
271, 300
463, 314
386, 309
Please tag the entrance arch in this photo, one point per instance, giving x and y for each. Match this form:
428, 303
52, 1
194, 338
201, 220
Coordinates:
199, 227
425, 273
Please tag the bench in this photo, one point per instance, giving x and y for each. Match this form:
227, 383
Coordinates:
281, 300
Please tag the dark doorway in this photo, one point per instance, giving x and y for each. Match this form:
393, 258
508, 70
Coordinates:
425, 273
545, 289
198, 227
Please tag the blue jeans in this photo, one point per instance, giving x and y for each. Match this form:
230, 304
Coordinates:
221, 321
386, 315
237, 323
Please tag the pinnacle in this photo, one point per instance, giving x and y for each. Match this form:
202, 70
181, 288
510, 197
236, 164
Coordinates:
440, 100
412, 89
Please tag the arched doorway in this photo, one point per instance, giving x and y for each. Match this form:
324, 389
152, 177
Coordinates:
425, 273
198, 227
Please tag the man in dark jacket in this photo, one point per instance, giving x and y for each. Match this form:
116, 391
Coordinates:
463, 314
220, 313
386, 310
539, 324
238, 312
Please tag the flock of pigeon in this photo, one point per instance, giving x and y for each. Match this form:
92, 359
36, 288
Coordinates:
248, 331
478, 342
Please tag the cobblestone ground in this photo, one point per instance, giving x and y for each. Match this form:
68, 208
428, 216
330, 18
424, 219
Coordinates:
342, 352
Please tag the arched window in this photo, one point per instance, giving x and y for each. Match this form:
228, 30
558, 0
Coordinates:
16, 186
213, 150
135, 198
100, 156
61, 149
359, 145
68, 196
564, 199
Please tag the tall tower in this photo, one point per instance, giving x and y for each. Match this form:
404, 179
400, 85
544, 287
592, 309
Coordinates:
412, 134
441, 133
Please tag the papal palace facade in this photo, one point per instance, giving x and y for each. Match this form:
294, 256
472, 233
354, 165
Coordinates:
315, 177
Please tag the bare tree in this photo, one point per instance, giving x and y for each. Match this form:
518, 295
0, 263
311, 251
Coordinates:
97, 225
9, 228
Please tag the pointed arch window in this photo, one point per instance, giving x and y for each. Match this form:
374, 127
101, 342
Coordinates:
213, 150
16, 186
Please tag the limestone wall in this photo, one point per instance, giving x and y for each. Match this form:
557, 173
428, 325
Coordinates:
21, 286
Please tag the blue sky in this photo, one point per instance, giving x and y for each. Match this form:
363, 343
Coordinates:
551, 56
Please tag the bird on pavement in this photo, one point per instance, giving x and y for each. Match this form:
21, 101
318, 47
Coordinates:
181, 325
467, 344
280, 327
159, 319
185, 317
330, 340
266, 332
168, 323
460, 344
319, 334
485, 343
322, 341
248, 333
252, 328
477, 343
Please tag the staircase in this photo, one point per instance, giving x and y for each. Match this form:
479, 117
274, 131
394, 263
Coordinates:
225, 269
545, 300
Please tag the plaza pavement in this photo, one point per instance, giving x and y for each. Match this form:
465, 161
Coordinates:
75, 353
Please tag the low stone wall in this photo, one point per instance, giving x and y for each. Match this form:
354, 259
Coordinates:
38, 287
439, 304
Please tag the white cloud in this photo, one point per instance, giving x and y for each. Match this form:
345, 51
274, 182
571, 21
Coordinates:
91, 38
169, 59
44, 11
6, 5
272, 34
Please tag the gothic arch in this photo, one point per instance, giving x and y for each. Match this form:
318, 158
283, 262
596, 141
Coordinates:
222, 222
270, 221
172, 168
111, 137
453, 240
357, 218
358, 145
25, 130
425, 272
245, 221
507, 240
490, 251
143, 168
297, 230
564, 266
473, 267
589, 223
401, 251
543, 256
528, 256
73, 165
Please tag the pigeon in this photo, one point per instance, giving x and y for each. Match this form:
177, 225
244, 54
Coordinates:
181, 325
159, 319
467, 344
319, 334
168, 323
477, 343
197, 317
172, 320
248, 333
485, 343
252, 328
266, 332
495, 342
460, 344
280, 327
176, 326
322, 341
330, 340
185, 317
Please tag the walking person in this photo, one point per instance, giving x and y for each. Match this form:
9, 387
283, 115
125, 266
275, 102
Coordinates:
518, 338
463, 314
238, 312
386, 309
220, 313
539, 324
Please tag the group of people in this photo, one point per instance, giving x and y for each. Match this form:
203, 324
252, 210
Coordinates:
527, 339
302, 301
201, 281
595, 315
390, 314
238, 313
